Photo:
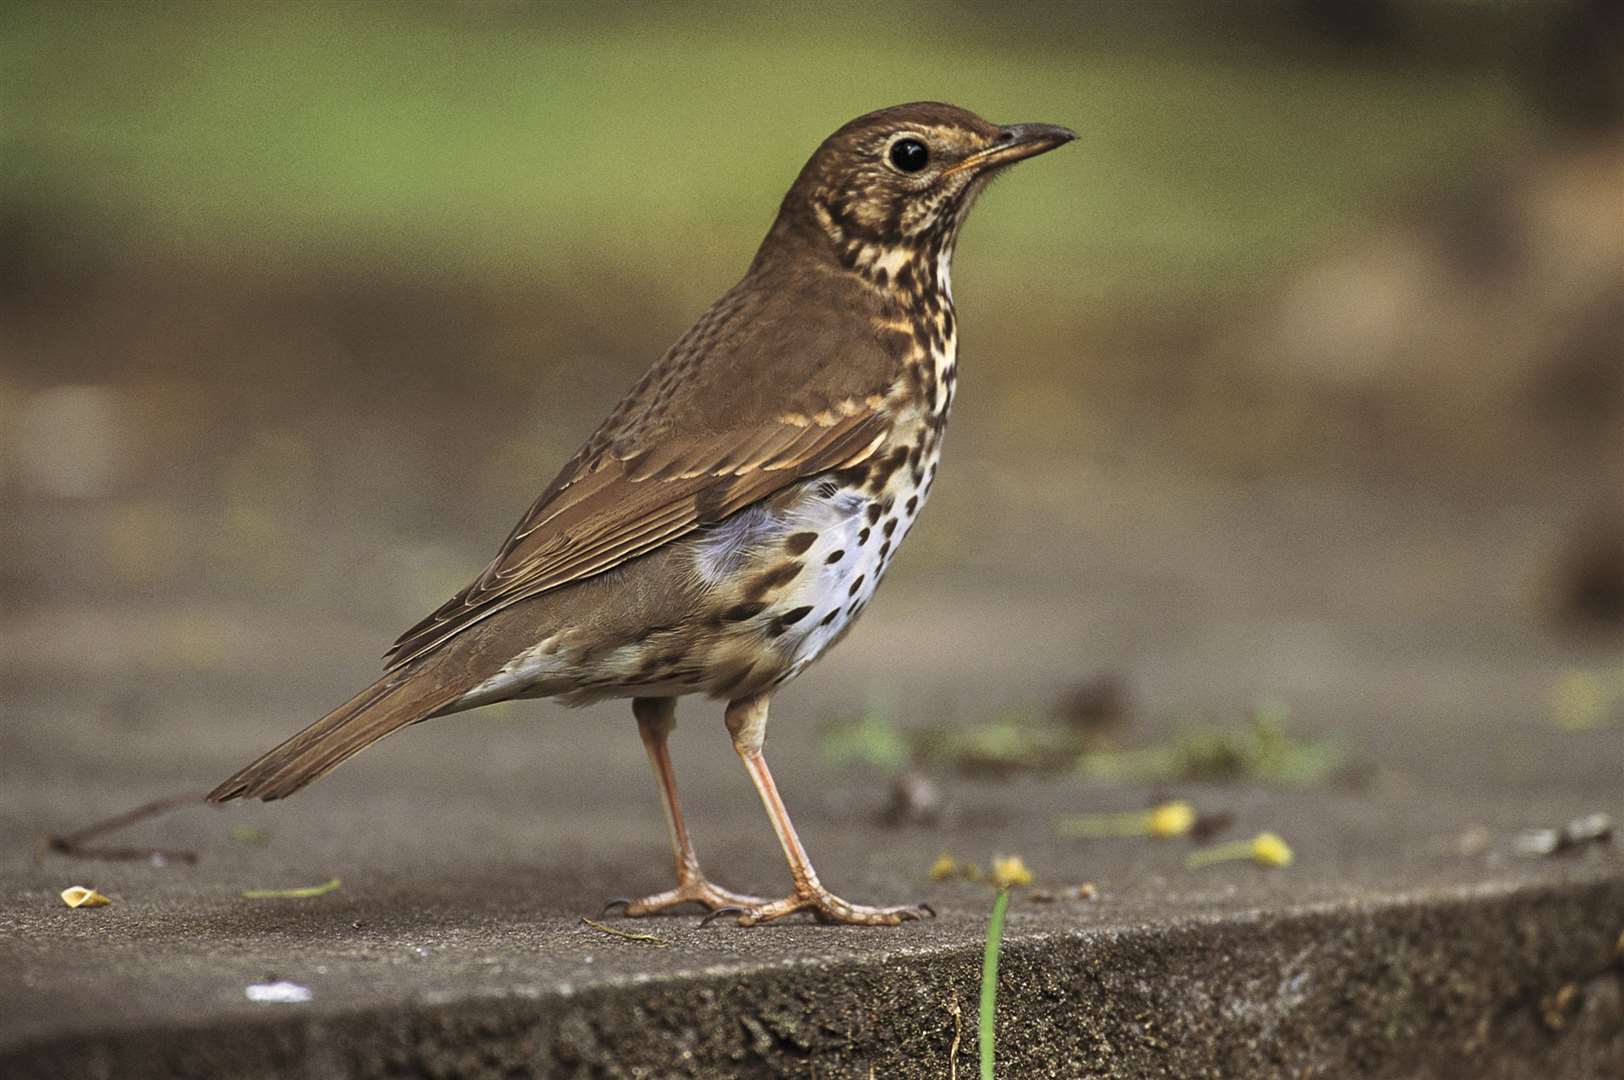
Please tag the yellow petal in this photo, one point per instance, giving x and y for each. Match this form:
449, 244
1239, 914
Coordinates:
78, 896
1269, 850
944, 867
1265, 849
1172, 819
1009, 871
1169, 819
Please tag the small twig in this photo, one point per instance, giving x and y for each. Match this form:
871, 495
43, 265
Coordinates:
648, 939
73, 844
304, 892
958, 1032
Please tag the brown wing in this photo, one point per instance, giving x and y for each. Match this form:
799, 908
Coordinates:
760, 394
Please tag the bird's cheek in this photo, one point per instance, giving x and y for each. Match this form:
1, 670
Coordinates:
920, 213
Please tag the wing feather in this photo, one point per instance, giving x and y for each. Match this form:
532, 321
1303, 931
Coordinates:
768, 388
610, 517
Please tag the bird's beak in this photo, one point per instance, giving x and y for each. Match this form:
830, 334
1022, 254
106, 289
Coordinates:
1015, 143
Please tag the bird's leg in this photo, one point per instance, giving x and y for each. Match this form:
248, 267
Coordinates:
655, 719
747, 723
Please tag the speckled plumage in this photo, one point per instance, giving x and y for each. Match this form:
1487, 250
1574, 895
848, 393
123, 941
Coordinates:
734, 514
769, 588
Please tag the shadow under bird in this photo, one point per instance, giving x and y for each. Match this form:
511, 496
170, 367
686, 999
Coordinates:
733, 516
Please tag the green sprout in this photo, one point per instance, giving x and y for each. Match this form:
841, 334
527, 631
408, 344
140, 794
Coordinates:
989, 983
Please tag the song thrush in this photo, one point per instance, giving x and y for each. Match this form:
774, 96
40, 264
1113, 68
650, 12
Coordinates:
732, 517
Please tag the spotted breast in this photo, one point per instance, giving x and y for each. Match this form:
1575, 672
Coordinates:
792, 575
773, 586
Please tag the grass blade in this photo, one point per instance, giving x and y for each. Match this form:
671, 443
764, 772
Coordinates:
989, 984
303, 893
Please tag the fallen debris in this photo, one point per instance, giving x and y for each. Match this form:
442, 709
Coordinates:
301, 893
277, 993
915, 800
74, 844
1010, 871
1589, 829
80, 896
1022, 740
1097, 708
629, 935
1016, 740
1557, 1010
1260, 749
1173, 818
1210, 825
1265, 849
1086, 891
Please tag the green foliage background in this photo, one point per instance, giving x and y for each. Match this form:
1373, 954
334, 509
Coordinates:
492, 139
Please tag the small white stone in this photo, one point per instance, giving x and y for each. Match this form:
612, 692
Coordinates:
277, 993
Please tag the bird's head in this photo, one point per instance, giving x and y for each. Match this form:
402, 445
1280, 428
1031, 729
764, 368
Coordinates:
896, 184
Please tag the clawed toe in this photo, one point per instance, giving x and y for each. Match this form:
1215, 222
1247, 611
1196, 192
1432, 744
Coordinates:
721, 913
825, 907
693, 891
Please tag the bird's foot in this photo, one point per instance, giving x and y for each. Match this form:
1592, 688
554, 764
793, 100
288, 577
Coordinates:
825, 906
695, 890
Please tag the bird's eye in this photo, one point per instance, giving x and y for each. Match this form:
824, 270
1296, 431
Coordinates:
909, 155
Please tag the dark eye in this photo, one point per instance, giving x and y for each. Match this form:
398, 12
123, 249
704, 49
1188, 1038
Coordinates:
909, 155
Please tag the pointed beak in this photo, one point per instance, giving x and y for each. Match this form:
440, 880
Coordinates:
1016, 143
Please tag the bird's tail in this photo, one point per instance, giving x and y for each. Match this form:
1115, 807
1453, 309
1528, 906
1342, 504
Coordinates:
399, 698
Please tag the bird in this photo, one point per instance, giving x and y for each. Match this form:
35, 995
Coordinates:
732, 517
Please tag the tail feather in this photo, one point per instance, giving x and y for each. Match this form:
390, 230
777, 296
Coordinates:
394, 701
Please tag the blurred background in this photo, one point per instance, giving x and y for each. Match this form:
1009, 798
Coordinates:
1299, 377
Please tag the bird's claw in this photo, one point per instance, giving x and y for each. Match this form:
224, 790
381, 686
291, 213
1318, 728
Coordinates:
692, 890
825, 907
721, 913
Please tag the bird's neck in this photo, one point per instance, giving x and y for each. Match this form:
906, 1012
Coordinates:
908, 282
914, 282
903, 268
910, 269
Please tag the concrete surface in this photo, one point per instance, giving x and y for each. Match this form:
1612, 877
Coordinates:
1407, 940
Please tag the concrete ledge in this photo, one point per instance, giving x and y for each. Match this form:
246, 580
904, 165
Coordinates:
1407, 940
1445, 982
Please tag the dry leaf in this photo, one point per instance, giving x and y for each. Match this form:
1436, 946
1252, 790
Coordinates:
78, 896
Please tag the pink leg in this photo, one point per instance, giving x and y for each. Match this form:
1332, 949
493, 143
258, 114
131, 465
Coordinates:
747, 723
655, 719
